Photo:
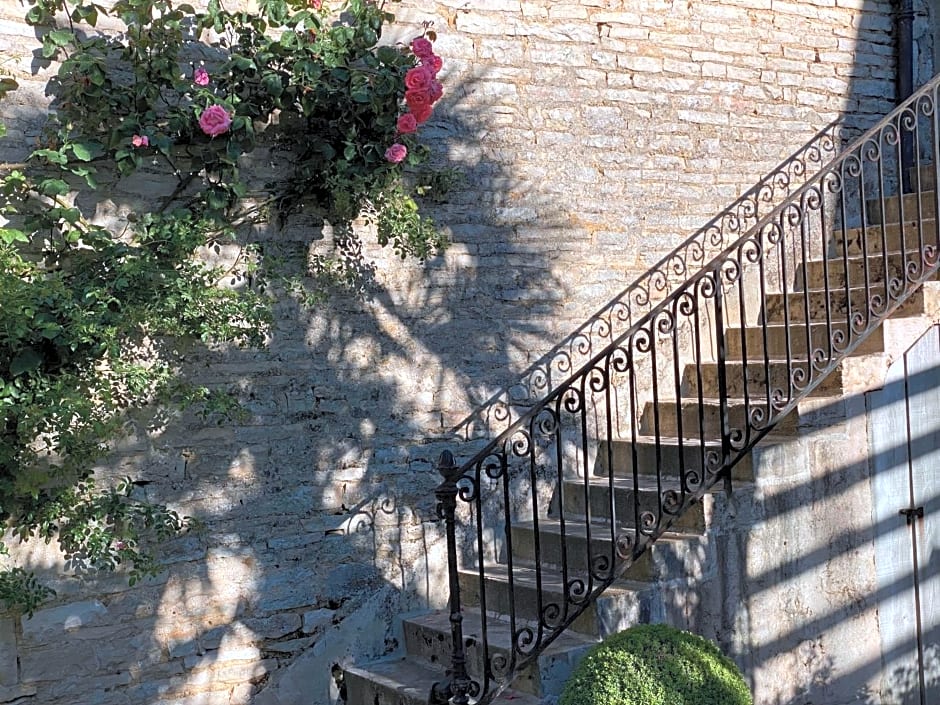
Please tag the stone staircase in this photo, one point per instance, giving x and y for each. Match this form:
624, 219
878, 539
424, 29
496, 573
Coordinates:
776, 348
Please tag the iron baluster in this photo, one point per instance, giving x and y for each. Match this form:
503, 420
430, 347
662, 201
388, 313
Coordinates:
456, 688
721, 354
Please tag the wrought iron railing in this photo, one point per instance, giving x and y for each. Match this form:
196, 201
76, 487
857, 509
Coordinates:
571, 494
631, 304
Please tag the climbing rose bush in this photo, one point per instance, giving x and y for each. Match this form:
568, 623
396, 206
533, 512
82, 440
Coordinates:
95, 314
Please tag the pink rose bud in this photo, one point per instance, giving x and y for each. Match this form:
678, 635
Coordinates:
421, 47
215, 120
201, 77
396, 153
407, 124
316, 4
140, 141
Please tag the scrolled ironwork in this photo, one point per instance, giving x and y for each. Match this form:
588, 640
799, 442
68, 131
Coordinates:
495, 465
671, 502
601, 566
577, 591
625, 545
524, 640
501, 666
520, 442
553, 615
821, 359
649, 521
546, 423
572, 400
838, 339
907, 120
597, 379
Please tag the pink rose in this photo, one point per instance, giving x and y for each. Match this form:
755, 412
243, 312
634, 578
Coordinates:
421, 113
396, 153
215, 120
421, 47
407, 123
419, 78
316, 4
434, 62
140, 141
417, 97
435, 90
201, 77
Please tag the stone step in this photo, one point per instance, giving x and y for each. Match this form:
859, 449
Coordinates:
402, 681
922, 204
794, 338
671, 456
856, 270
428, 640
926, 179
857, 242
759, 378
671, 552
595, 493
834, 304
623, 604
706, 418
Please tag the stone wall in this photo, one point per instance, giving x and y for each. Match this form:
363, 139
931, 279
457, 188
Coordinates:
594, 137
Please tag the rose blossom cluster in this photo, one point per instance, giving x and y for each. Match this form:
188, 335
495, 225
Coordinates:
422, 91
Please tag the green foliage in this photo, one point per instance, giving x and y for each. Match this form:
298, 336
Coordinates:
96, 313
655, 664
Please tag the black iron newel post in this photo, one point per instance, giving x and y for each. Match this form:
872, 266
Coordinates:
456, 688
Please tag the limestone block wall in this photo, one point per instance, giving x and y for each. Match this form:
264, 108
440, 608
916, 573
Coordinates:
594, 136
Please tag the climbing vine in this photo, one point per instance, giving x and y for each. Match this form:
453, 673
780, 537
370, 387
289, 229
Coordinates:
96, 309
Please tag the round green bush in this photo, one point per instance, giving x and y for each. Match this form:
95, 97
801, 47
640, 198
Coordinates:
654, 664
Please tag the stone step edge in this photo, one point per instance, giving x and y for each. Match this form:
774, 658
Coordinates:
415, 681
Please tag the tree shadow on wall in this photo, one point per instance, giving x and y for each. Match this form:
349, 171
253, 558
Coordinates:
318, 510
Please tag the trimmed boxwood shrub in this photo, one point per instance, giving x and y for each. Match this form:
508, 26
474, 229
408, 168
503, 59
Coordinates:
654, 664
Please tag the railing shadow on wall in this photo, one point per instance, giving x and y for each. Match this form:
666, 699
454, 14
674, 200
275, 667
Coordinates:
637, 299
662, 360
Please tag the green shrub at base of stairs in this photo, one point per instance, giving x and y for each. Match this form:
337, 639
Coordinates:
655, 664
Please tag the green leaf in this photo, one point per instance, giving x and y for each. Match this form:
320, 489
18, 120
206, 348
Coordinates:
85, 151
51, 155
88, 14
60, 37
11, 235
272, 84
53, 187
87, 174
25, 361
